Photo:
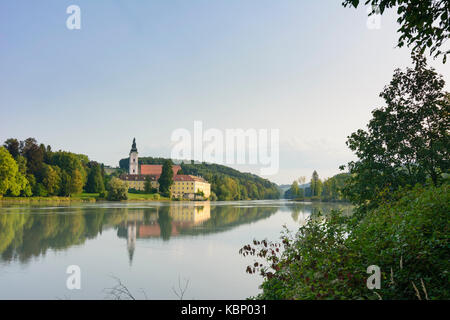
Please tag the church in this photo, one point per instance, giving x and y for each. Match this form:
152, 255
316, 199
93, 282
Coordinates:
184, 186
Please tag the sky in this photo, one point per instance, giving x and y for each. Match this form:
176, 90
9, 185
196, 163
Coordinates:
311, 69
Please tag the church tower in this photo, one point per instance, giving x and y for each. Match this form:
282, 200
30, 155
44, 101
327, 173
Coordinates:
134, 164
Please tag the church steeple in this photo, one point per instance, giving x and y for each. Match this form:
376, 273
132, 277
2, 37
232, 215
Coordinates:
134, 160
133, 146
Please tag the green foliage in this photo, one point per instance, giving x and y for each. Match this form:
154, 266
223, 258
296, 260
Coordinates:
51, 179
329, 190
95, 182
142, 196
423, 24
406, 142
12, 181
33, 153
148, 186
295, 192
213, 196
316, 185
13, 146
117, 190
39, 190
166, 179
328, 258
333, 187
226, 183
73, 171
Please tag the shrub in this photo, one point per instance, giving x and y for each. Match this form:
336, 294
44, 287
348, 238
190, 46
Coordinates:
39, 190
328, 258
118, 190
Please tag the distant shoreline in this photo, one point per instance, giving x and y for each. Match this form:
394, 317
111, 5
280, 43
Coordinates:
318, 200
55, 199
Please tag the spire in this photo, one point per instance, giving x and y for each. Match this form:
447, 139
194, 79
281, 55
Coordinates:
133, 146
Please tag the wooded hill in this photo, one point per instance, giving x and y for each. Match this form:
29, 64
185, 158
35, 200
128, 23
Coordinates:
226, 183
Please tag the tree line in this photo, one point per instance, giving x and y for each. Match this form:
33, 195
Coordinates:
331, 189
31, 169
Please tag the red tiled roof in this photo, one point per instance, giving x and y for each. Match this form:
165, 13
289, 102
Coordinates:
156, 169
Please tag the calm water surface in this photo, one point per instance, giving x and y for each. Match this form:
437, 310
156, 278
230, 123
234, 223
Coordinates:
149, 246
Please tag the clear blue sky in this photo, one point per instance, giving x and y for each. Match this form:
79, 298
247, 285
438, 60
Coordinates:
145, 68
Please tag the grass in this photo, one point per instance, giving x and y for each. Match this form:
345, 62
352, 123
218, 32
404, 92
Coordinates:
146, 197
86, 196
81, 197
52, 199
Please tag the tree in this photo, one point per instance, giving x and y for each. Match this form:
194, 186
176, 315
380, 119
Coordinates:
51, 179
74, 176
295, 189
406, 141
423, 23
11, 179
294, 192
302, 180
65, 184
39, 190
34, 155
117, 190
47, 152
316, 185
94, 182
12, 145
228, 189
166, 178
71, 183
76, 182
332, 187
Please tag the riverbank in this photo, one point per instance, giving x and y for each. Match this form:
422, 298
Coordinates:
83, 197
405, 238
318, 199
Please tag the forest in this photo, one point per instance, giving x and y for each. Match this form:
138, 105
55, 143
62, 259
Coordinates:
31, 169
330, 189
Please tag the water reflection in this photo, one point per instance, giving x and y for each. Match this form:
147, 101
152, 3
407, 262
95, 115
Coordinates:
27, 232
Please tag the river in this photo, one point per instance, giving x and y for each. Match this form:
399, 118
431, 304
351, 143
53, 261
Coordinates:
158, 250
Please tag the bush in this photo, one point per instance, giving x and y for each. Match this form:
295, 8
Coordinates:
328, 258
212, 196
117, 190
39, 190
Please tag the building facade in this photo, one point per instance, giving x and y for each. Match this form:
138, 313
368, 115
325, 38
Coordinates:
183, 187
134, 160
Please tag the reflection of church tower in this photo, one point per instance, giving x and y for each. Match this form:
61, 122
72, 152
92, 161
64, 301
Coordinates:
134, 166
131, 240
